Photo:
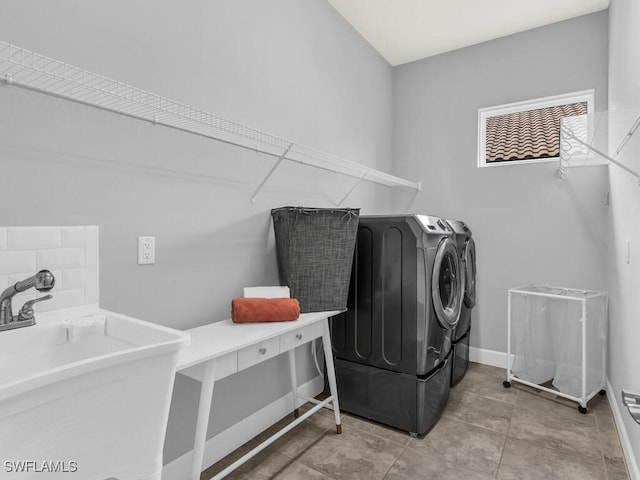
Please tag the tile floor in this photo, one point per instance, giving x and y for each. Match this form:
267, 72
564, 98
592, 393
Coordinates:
485, 432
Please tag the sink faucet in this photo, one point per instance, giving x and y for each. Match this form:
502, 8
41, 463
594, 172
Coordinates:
43, 281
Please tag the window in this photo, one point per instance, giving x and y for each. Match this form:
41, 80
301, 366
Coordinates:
527, 132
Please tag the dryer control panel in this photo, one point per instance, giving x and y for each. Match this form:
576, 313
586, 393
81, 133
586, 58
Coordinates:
459, 227
433, 224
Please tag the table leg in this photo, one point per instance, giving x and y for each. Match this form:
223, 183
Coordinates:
331, 374
204, 411
294, 381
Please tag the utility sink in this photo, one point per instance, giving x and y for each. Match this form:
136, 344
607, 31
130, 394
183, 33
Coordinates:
86, 390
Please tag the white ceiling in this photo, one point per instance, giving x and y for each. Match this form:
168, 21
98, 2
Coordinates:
407, 30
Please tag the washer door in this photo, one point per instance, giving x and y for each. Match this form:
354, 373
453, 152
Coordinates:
469, 258
447, 284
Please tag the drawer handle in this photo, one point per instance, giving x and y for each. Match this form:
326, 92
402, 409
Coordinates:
299, 336
262, 351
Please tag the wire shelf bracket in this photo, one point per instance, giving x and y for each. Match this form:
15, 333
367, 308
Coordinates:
582, 135
273, 169
352, 188
33, 71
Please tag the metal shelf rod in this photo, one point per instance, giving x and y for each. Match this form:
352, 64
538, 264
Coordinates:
601, 153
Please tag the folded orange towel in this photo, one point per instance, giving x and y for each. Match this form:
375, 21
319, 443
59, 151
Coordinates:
244, 310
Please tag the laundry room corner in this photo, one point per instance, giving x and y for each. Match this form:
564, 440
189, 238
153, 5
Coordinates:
529, 226
320, 239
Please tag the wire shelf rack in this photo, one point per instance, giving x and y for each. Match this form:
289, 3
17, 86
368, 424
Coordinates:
34, 71
599, 139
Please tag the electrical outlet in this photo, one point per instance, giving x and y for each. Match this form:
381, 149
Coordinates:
146, 250
627, 251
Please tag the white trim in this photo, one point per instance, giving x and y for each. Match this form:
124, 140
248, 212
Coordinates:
627, 448
517, 162
233, 437
488, 357
543, 102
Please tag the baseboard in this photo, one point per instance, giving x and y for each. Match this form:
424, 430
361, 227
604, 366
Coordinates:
629, 455
230, 439
488, 357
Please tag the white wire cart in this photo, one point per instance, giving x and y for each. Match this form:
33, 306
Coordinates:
557, 340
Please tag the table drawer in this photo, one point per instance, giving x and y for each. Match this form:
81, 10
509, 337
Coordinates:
300, 336
257, 353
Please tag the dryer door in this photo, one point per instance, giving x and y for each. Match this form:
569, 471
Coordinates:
469, 257
447, 286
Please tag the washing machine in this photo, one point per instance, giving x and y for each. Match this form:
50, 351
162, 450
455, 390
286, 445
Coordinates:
460, 342
392, 346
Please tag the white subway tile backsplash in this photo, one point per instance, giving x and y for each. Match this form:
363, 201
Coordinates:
73, 236
64, 299
73, 278
61, 258
33, 238
92, 245
71, 253
91, 289
17, 261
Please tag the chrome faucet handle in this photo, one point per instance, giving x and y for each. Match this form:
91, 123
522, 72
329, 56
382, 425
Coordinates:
26, 312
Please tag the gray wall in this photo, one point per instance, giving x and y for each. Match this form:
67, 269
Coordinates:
624, 222
296, 69
293, 68
529, 226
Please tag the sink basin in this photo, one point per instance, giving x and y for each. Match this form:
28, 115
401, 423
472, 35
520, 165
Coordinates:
89, 389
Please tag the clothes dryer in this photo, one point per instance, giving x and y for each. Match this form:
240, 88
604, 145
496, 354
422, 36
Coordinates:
393, 345
467, 249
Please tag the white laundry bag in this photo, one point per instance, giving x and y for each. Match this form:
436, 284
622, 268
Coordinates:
533, 349
569, 376
549, 326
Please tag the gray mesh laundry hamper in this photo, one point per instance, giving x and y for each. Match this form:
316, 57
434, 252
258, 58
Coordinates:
315, 249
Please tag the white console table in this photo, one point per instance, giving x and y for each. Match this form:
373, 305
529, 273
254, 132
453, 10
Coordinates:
224, 348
